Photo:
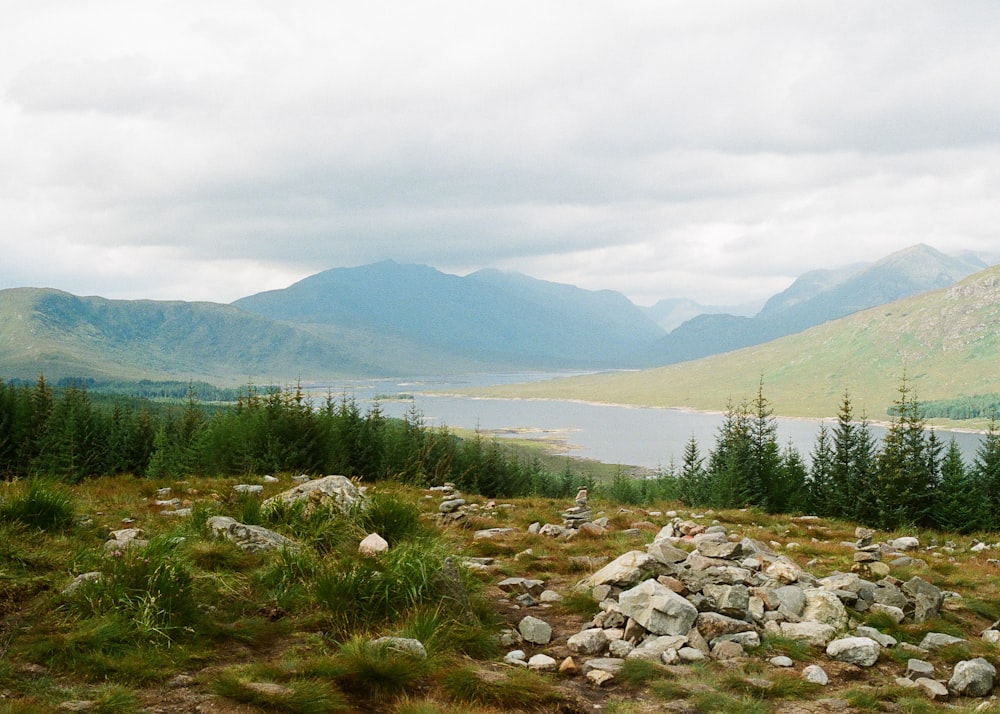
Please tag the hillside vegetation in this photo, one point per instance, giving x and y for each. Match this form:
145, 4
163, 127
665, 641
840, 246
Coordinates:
946, 343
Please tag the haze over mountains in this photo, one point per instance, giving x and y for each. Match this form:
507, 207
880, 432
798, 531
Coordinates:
392, 319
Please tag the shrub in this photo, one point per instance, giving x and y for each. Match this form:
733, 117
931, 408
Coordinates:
39, 505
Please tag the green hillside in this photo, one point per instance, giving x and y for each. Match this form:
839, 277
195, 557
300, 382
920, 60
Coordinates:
946, 342
62, 335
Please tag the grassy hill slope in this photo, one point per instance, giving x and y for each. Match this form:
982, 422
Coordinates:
947, 342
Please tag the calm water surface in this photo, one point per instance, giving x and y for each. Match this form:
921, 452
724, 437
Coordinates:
637, 436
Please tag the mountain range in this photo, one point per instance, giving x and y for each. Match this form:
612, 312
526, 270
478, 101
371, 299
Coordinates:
391, 319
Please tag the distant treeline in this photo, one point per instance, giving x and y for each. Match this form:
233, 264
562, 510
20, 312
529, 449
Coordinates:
167, 390
70, 434
910, 478
977, 406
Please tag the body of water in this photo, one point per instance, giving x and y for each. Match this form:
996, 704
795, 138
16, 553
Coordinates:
636, 436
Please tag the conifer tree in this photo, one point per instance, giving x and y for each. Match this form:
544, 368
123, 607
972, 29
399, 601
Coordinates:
763, 478
820, 485
794, 477
906, 474
728, 463
986, 475
958, 504
691, 480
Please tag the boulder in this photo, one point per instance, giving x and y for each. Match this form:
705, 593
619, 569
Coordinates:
714, 624
936, 640
824, 606
588, 642
625, 570
329, 490
862, 651
813, 633
542, 663
652, 648
535, 631
816, 675
658, 609
973, 678
253, 539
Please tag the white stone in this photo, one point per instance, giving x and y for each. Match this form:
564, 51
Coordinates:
373, 544
815, 674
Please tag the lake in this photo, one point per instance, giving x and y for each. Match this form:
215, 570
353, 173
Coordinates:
636, 436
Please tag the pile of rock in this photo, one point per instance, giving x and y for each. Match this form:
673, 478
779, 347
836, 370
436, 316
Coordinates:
675, 604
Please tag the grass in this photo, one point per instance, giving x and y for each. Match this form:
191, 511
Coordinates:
39, 505
302, 620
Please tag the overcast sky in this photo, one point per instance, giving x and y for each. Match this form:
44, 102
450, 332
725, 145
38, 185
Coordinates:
713, 150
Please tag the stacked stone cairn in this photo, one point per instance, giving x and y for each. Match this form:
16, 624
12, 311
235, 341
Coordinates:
676, 604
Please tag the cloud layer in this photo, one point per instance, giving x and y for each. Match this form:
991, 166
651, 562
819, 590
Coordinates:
664, 149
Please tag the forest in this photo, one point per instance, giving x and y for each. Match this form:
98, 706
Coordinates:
909, 478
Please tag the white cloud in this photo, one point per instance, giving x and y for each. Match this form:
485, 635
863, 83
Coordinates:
205, 150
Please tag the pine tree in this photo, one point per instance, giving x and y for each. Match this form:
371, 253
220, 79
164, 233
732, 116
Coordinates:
986, 475
763, 478
905, 468
728, 463
794, 477
820, 485
691, 480
958, 504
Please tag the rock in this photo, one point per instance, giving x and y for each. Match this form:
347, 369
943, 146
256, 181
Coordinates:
269, 689
917, 668
716, 549
248, 488
781, 661
535, 631
450, 505
329, 490
825, 607
815, 674
620, 648
882, 639
817, 634
270, 479
905, 544
542, 663
933, 689
936, 640
658, 609
652, 648
666, 553
591, 529
77, 705
713, 624
516, 657
253, 539
926, 599
522, 585
973, 678
599, 678
625, 570
783, 570
567, 667
727, 650
550, 596
732, 600
862, 651
690, 655
403, 645
80, 580
588, 642
491, 533
373, 544
611, 665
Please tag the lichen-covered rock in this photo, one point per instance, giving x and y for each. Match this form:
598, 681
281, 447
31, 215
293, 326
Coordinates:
862, 651
253, 539
973, 678
658, 608
329, 490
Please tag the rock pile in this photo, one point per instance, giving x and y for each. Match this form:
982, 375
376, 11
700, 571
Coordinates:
699, 593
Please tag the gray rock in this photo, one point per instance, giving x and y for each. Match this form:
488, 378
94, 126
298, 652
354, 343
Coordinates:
253, 539
658, 609
932, 689
652, 648
535, 631
666, 553
815, 674
732, 600
814, 633
329, 490
611, 665
917, 668
926, 599
973, 678
882, 639
517, 657
588, 642
824, 606
403, 645
862, 651
905, 544
450, 505
691, 654
935, 640
542, 663
782, 661
80, 580
248, 488
720, 549
625, 570
714, 624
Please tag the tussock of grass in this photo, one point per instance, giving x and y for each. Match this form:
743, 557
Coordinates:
305, 696
39, 505
508, 690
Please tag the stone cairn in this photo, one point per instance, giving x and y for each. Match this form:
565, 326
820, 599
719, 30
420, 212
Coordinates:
697, 593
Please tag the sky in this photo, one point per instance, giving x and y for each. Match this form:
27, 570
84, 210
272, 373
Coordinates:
192, 150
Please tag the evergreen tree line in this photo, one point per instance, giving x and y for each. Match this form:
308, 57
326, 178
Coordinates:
910, 478
65, 434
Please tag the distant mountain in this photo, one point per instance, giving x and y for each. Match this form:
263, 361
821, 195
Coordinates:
496, 319
946, 342
44, 330
672, 313
815, 298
